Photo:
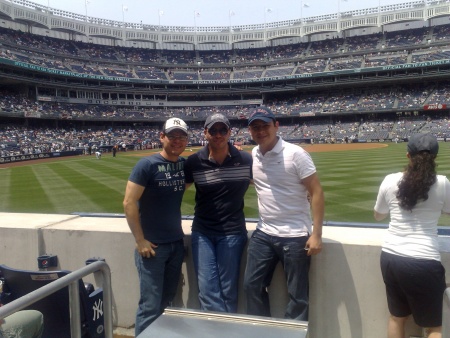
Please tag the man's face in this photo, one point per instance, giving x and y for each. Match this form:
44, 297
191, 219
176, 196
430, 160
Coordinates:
218, 135
174, 142
264, 133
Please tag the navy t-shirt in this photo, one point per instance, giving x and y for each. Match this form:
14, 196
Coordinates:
220, 190
160, 203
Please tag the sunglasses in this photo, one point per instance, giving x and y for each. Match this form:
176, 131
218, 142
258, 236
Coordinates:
177, 137
221, 131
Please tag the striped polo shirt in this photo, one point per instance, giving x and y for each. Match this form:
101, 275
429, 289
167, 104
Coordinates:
220, 190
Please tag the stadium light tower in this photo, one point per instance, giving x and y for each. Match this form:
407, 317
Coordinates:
230, 14
86, 3
339, 14
339, 6
196, 15
302, 5
266, 11
379, 13
48, 14
124, 9
160, 14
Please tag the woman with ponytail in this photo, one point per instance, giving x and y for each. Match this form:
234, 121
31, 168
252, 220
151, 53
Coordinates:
410, 260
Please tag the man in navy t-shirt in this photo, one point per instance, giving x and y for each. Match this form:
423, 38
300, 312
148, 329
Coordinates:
152, 207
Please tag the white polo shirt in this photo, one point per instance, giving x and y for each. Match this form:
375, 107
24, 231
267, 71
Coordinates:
284, 209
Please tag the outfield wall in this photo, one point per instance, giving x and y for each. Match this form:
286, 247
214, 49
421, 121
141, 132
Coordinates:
347, 291
29, 157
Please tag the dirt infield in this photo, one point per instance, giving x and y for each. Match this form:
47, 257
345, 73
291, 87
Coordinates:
317, 148
308, 147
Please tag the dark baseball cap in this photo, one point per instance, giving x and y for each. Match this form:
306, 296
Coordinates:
423, 142
261, 113
216, 118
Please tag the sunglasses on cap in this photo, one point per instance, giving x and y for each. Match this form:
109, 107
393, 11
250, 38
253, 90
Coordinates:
215, 131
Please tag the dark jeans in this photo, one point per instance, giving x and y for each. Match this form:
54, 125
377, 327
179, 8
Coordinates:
264, 252
158, 281
217, 262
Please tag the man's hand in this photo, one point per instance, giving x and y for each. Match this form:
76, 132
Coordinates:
314, 245
145, 248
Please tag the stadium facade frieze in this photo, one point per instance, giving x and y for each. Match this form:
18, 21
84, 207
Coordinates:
417, 65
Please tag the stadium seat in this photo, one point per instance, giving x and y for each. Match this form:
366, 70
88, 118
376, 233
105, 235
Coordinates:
55, 307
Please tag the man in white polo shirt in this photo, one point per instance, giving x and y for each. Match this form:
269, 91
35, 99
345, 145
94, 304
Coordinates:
284, 174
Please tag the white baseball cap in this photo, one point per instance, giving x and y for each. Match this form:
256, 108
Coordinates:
175, 123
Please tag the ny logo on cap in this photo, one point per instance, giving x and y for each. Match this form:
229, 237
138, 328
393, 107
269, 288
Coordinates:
261, 111
176, 122
217, 116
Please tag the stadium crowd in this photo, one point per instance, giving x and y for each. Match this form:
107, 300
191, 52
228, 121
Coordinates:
388, 48
352, 101
363, 51
20, 140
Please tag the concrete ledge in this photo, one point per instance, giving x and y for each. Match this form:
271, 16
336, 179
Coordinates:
347, 294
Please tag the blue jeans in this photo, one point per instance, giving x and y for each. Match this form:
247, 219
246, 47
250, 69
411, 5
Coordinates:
158, 281
263, 254
217, 262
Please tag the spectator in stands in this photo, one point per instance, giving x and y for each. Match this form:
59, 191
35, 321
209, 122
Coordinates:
284, 175
152, 207
410, 258
26, 323
221, 174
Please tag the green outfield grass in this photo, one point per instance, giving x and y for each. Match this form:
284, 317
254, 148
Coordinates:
84, 184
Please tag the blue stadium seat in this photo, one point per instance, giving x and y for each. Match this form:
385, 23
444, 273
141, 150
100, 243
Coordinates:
55, 307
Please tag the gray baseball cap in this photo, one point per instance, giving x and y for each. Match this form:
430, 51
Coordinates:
216, 118
423, 142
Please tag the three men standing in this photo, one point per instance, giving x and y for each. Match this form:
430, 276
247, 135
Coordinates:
284, 176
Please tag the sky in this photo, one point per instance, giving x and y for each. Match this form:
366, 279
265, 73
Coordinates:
209, 12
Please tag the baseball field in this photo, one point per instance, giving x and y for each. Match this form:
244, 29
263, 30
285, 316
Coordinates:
350, 175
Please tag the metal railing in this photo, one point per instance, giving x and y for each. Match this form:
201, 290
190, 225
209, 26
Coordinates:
71, 280
446, 314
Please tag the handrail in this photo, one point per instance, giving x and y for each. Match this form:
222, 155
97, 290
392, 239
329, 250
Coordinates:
70, 280
446, 314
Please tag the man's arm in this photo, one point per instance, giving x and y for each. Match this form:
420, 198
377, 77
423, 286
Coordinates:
133, 193
312, 184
